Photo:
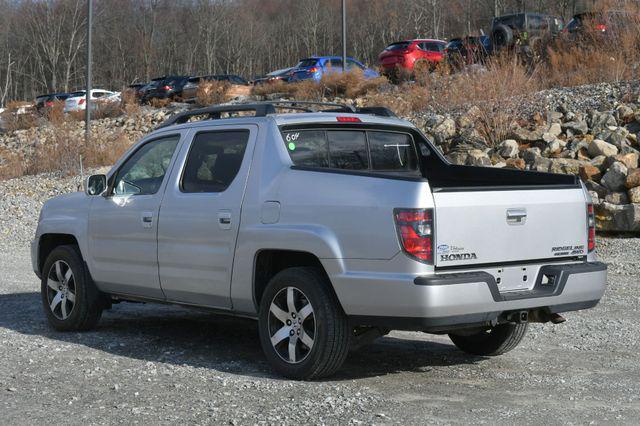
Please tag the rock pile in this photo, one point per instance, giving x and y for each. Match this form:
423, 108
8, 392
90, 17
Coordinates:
599, 146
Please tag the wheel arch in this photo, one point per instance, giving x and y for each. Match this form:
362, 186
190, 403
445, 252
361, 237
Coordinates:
49, 242
268, 262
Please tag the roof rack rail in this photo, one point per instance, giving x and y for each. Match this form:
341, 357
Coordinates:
262, 109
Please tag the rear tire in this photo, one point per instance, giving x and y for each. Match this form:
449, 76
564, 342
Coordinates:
303, 331
70, 298
492, 342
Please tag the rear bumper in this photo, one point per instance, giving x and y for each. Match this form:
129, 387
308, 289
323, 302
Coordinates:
446, 301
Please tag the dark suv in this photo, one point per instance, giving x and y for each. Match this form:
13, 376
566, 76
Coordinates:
530, 31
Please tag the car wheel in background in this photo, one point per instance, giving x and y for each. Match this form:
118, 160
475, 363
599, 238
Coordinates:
491, 342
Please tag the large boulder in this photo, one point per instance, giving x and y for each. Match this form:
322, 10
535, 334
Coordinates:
477, 157
577, 127
599, 147
515, 163
588, 172
530, 155
617, 198
634, 195
618, 218
508, 149
566, 166
615, 178
633, 178
446, 128
600, 190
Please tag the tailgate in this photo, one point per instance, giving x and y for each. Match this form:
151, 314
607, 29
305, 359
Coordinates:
500, 226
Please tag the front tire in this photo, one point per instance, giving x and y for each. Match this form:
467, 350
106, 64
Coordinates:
70, 299
492, 342
303, 331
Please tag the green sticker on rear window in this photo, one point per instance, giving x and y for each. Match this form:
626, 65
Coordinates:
292, 146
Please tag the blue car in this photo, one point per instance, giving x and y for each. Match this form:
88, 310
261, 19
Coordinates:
315, 67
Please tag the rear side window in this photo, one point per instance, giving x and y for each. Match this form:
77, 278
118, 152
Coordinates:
432, 47
214, 161
352, 150
392, 152
347, 150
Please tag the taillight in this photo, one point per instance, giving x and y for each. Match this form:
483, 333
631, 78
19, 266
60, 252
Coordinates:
167, 88
313, 69
81, 101
415, 232
348, 120
591, 228
49, 103
601, 27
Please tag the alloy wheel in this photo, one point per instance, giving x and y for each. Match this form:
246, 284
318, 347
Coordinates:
292, 325
61, 290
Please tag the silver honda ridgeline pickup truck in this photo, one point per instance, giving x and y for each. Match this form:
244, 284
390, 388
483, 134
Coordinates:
329, 226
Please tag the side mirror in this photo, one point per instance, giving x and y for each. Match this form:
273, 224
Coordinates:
96, 185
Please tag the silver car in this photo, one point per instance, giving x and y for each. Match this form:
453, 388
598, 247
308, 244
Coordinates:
328, 227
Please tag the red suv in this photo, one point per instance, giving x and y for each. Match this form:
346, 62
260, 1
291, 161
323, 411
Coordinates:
411, 57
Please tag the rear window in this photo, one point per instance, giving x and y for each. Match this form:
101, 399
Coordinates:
432, 46
361, 150
398, 46
307, 63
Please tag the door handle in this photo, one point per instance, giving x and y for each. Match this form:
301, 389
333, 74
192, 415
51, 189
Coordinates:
516, 216
147, 219
224, 220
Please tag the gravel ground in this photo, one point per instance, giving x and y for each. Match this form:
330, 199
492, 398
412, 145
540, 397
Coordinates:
155, 364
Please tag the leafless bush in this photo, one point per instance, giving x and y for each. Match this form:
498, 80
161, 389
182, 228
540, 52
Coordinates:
212, 92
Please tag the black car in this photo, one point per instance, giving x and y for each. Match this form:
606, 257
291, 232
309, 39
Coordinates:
48, 100
524, 29
169, 87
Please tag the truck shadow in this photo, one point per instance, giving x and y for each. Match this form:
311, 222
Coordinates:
180, 336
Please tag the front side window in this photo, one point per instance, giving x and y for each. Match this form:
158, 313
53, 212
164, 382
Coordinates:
214, 161
144, 171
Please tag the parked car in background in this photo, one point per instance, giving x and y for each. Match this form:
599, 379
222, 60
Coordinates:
411, 57
136, 89
313, 68
47, 101
601, 25
525, 30
274, 76
152, 85
77, 100
469, 50
169, 87
238, 85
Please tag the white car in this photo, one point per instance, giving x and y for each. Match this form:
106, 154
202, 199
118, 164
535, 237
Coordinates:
77, 100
